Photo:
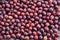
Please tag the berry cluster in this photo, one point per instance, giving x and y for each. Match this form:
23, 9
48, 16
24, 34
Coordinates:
29, 19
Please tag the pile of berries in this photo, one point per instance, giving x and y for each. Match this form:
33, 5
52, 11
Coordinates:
29, 19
